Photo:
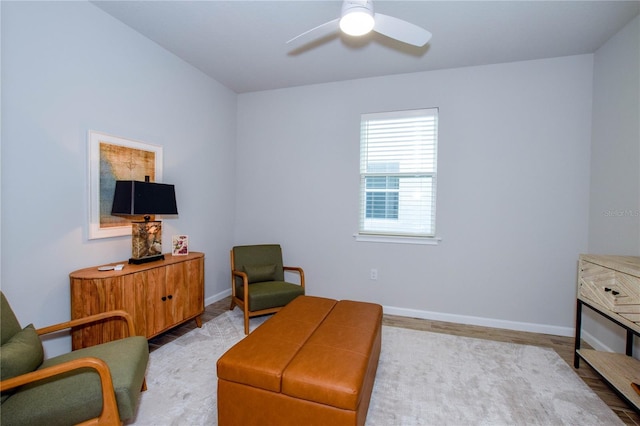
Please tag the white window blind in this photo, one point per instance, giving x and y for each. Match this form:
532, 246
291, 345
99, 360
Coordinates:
398, 152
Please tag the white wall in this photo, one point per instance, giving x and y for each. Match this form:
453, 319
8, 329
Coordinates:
614, 211
614, 222
513, 188
68, 67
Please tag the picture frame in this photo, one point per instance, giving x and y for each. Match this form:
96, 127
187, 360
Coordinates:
180, 245
114, 158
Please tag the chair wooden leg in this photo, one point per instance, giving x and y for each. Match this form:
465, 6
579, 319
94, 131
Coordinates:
246, 324
233, 304
144, 385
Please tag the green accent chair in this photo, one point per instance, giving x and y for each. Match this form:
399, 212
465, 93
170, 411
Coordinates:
257, 280
98, 385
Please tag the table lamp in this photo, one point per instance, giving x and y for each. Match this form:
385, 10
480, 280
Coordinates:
136, 198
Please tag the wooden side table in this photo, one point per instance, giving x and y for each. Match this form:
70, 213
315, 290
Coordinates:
158, 295
610, 286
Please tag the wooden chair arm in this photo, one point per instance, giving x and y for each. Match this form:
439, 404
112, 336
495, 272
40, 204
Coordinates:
245, 286
240, 274
89, 319
245, 280
109, 414
296, 269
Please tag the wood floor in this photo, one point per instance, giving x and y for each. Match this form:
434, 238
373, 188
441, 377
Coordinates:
562, 345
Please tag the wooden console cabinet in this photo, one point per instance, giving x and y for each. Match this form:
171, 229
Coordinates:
159, 295
610, 286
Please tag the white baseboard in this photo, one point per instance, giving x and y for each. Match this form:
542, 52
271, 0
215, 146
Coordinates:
219, 296
595, 343
463, 319
485, 322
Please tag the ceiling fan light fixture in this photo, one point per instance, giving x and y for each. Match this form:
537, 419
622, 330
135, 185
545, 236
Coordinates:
357, 18
356, 23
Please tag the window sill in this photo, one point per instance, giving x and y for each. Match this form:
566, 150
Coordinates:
396, 239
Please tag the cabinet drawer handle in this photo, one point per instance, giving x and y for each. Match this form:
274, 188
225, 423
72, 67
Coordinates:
164, 298
607, 289
615, 293
171, 296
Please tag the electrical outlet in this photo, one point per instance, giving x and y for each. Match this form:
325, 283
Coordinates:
373, 274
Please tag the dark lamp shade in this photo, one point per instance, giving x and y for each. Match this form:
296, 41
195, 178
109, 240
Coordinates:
135, 198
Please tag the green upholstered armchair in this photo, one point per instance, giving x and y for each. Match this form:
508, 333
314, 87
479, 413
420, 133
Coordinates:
257, 280
99, 385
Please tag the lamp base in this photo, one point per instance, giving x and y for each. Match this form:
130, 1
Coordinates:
147, 259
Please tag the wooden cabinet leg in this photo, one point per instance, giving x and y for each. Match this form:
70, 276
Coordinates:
198, 321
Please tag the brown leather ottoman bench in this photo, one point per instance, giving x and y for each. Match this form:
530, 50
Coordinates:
312, 363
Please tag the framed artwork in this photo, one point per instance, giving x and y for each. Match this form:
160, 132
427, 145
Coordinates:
180, 244
114, 158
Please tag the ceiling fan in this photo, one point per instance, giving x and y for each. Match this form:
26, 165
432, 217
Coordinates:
357, 18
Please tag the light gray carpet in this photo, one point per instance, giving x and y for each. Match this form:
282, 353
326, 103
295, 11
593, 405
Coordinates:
423, 379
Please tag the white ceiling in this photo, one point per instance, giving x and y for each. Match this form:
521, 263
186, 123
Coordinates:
241, 43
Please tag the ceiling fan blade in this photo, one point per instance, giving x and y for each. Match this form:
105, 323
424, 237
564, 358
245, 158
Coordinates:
400, 30
316, 33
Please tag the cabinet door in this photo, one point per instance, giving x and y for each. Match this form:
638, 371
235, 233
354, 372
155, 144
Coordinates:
135, 302
157, 300
93, 296
195, 282
185, 287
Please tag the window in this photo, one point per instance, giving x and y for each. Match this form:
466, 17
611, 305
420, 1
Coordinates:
382, 193
398, 173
